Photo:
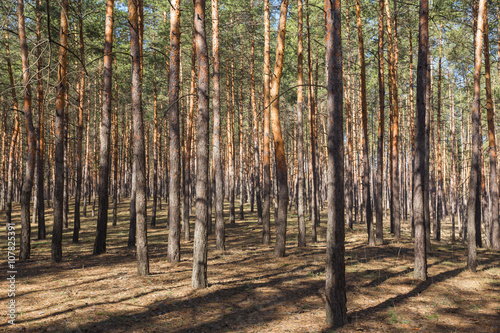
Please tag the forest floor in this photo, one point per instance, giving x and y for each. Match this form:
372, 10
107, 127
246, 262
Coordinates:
249, 290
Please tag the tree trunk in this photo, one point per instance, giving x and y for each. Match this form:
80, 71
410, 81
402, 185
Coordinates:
105, 134
134, 8
494, 220
199, 277
15, 134
439, 166
364, 118
420, 269
59, 136
79, 143
379, 233
335, 286
300, 134
266, 158
175, 167
279, 146
219, 190
40, 129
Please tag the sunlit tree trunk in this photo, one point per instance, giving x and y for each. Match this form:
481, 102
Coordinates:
266, 158
439, 166
79, 143
59, 136
219, 190
279, 145
105, 134
175, 166
134, 8
300, 134
379, 233
494, 231
15, 135
335, 286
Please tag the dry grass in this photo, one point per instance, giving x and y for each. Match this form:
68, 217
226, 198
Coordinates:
250, 290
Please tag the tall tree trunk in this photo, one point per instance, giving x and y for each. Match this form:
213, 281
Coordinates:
266, 158
494, 222
40, 129
219, 190
59, 136
27, 187
79, 143
105, 134
175, 167
420, 269
335, 286
116, 146
199, 277
300, 134
474, 204
312, 130
453, 161
364, 118
379, 233
135, 8
279, 145
15, 135
230, 136
439, 166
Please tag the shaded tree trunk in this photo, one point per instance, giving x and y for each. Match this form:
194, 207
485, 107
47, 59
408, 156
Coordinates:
335, 286
266, 158
105, 135
279, 146
134, 8
199, 277
174, 133
420, 269
59, 136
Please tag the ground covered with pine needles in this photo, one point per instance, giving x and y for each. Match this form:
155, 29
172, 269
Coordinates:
249, 290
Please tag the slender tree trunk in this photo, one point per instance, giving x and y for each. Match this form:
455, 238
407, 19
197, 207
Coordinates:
266, 158
364, 118
279, 146
379, 237
420, 269
175, 167
40, 129
439, 166
15, 135
300, 134
105, 135
116, 146
473, 204
219, 190
199, 277
134, 8
59, 136
79, 143
335, 286
494, 199
453, 161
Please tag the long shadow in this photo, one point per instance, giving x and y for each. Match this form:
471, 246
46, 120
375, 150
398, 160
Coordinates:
292, 294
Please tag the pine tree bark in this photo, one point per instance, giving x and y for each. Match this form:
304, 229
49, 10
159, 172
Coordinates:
199, 277
219, 190
79, 143
59, 136
105, 134
174, 133
266, 158
279, 146
15, 135
364, 119
494, 219
335, 286
40, 137
134, 8
439, 166
379, 226
300, 133
420, 269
